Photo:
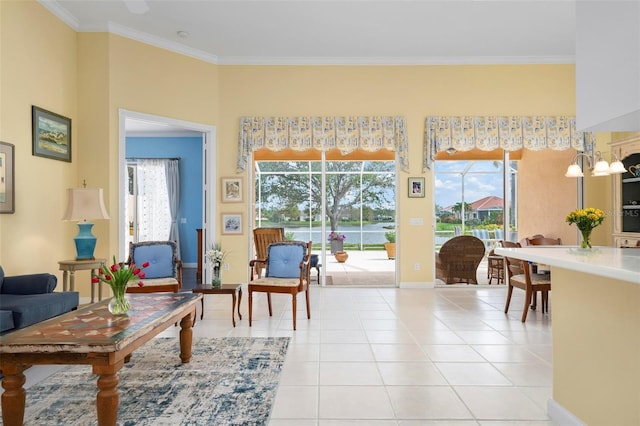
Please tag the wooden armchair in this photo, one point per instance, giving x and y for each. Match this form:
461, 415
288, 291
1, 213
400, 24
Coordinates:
459, 258
164, 272
543, 241
262, 237
288, 269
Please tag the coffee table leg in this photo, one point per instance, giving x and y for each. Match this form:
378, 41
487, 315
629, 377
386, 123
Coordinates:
239, 301
14, 395
186, 336
108, 398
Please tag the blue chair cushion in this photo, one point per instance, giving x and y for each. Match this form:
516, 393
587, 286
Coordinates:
159, 256
284, 259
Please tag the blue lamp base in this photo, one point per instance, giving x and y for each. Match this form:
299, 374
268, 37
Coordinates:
85, 241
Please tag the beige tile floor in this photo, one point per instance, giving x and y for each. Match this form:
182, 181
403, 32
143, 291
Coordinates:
385, 356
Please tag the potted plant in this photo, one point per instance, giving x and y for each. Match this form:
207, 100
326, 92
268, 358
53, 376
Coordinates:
336, 240
390, 245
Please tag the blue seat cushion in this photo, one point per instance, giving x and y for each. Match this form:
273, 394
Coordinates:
32, 308
284, 259
6, 321
160, 258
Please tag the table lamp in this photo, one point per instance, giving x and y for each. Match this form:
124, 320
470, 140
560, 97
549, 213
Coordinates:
85, 204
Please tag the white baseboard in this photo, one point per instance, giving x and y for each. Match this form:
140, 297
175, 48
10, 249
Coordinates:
561, 415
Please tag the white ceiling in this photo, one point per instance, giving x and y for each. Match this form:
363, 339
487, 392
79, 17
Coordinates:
393, 32
397, 32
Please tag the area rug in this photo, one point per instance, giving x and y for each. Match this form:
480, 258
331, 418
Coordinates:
229, 381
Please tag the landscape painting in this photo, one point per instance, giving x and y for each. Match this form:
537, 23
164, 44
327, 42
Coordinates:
51, 135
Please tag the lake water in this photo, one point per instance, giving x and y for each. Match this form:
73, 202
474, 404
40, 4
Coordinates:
371, 234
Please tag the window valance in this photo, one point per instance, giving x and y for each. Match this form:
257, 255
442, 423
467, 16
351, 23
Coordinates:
511, 133
346, 134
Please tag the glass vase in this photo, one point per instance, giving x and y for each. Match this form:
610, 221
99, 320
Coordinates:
586, 238
119, 305
216, 280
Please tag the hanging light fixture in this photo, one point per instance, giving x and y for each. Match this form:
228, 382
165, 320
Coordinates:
597, 164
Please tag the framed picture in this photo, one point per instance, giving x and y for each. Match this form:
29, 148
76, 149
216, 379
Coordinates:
7, 187
51, 134
232, 223
416, 187
232, 190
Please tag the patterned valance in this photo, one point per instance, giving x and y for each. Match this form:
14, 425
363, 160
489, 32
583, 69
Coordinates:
346, 134
509, 133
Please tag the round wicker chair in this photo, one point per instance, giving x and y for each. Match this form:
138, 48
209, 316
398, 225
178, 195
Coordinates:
458, 259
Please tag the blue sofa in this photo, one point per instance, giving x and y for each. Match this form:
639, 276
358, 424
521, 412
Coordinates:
28, 299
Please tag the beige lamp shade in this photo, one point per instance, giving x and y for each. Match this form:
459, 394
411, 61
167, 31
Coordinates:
85, 204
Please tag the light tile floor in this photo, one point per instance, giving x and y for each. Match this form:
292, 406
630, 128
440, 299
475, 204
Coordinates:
384, 356
401, 357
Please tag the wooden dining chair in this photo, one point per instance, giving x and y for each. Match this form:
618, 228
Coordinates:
519, 275
262, 237
543, 241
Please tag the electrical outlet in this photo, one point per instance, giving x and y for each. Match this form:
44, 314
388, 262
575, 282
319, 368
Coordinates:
416, 266
225, 266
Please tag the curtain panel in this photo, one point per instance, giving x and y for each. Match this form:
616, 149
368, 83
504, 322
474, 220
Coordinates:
346, 134
511, 133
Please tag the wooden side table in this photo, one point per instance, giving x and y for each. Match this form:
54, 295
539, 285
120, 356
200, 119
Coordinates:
231, 289
71, 266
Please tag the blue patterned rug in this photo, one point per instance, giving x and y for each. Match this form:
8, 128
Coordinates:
229, 381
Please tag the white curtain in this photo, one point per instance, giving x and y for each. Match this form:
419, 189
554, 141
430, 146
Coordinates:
154, 212
173, 194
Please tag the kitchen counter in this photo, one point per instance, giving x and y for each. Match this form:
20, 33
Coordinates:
595, 311
608, 262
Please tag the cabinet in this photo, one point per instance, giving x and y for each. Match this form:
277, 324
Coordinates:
626, 194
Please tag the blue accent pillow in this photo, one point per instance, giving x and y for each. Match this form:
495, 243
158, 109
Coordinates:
284, 259
160, 258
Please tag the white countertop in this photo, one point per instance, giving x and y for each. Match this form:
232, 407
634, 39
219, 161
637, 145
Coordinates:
609, 262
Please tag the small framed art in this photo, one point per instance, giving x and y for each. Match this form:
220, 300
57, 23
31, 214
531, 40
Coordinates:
416, 187
7, 187
231, 190
232, 224
51, 134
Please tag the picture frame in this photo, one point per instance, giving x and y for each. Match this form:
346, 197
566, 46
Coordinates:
51, 134
231, 189
232, 224
416, 187
7, 173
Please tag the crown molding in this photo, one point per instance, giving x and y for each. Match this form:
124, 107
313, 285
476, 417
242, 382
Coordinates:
61, 13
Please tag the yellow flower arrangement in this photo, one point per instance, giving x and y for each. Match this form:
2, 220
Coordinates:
586, 220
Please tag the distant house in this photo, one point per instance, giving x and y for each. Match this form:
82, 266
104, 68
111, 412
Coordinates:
482, 208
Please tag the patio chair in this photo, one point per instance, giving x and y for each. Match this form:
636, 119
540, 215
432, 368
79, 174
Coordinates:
262, 237
459, 258
288, 270
164, 272
519, 275
495, 267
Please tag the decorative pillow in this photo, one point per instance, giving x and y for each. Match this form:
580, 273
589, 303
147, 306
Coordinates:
284, 259
159, 255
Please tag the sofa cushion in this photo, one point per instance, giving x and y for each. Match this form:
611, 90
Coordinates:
6, 321
32, 308
29, 284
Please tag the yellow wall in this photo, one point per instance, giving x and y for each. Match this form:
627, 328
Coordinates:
39, 67
89, 76
414, 92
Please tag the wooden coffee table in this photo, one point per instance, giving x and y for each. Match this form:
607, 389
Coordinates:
223, 289
92, 336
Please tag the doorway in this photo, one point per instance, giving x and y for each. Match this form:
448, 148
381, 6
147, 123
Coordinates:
168, 126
